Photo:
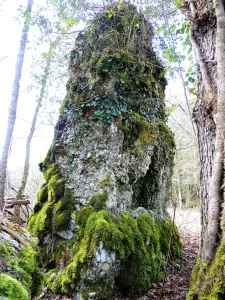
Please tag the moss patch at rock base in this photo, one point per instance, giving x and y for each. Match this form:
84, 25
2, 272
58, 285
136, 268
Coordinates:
140, 247
21, 270
208, 280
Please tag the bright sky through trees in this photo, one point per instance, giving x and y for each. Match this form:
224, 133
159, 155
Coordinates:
9, 47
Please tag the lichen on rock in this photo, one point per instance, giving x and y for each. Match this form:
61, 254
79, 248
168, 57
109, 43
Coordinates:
101, 215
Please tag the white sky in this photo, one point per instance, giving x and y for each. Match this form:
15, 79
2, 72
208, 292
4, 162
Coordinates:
10, 32
9, 37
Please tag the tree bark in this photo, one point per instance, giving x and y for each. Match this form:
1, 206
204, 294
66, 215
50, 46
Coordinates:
207, 35
14, 101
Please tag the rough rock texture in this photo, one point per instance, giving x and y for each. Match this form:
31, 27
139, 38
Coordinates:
101, 216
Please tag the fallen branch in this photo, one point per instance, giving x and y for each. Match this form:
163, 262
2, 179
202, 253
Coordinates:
14, 234
11, 204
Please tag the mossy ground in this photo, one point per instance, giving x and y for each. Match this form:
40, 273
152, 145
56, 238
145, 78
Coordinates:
23, 273
140, 246
208, 280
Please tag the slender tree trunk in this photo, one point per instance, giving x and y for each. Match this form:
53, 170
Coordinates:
14, 101
179, 188
179, 183
32, 129
188, 194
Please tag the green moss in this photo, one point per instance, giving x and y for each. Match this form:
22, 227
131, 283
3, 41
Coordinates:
22, 265
47, 161
98, 201
11, 288
54, 207
136, 244
106, 182
112, 62
51, 171
64, 105
53, 216
43, 194
82, 216
167, 141
208, 279
56, 187
164, 227
61, 220
41, 221
137, 129
63, 210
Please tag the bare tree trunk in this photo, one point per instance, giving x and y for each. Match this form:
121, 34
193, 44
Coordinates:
188, 194
32, 129
207, 36
179, 183
202, 35
179, 188
14, 101
212, 238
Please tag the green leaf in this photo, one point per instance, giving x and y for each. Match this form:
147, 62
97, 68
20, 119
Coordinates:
173, 27
192, 103
119, 5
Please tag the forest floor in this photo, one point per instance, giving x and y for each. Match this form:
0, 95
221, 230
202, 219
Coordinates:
177, 277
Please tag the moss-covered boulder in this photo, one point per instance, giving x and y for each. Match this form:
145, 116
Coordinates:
101, 215
20, 276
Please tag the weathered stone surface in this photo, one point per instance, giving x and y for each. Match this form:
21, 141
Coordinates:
101, 216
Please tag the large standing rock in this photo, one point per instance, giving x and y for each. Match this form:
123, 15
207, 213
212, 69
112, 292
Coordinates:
101, 216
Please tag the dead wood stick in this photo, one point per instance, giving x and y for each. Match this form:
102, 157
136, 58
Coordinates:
18, 202
14, 234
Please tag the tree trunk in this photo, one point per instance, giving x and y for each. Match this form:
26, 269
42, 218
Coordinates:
207, 35
14, 101
201, 36
179, 183
32, 129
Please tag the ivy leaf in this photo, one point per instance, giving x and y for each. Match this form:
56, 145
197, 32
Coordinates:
191, 79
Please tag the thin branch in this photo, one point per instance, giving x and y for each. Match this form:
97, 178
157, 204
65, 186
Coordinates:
14, 234
3, 58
